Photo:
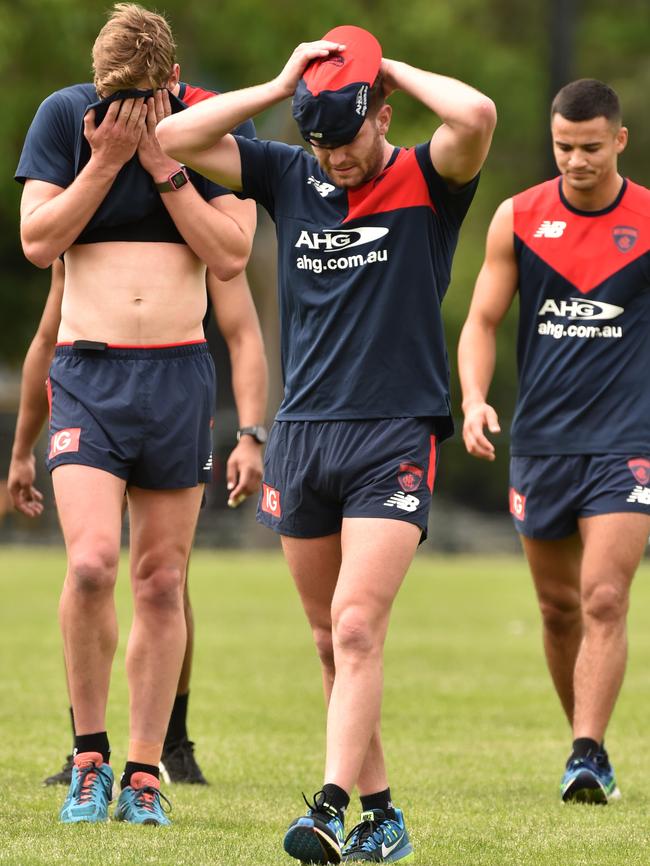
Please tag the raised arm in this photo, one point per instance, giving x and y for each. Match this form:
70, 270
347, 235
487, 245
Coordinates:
460, 145
199, 137
221, 231
495, 288
237, 320
33, 406
51, 217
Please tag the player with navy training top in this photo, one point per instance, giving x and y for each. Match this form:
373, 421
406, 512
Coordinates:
131, 384
577, 250
366, 233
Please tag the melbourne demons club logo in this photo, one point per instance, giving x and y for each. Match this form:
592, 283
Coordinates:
409, 477
640, 468
64, 441
271, 501
625, 237
517, 504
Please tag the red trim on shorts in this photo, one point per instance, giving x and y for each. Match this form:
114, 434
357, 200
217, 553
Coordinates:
431, 474
144, 346
48, 388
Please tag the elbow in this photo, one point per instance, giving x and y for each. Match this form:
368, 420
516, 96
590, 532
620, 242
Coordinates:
38, 254
484, 116
227, 268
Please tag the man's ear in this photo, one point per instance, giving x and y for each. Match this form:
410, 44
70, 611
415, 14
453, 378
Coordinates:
383, 118
174, 77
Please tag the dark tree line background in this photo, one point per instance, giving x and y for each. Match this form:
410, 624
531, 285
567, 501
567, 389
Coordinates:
517, 52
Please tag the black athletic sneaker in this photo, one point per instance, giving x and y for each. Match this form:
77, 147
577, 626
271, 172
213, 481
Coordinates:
178, 764
65, 776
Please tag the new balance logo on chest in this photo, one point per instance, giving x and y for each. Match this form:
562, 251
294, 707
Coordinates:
550, 229
322, 188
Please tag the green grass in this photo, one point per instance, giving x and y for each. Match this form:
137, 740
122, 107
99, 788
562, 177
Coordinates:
474, 735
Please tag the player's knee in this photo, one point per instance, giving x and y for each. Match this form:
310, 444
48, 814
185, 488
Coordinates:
92, 572
561, 616
605, 602
354, 633
324, 646
159, 587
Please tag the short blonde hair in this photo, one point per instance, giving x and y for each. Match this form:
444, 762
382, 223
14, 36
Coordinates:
134, 45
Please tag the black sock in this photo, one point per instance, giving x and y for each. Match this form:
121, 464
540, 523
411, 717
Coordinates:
72, 724
336, 797
93, 743
584, 747
132, 767
380, 800
177, 727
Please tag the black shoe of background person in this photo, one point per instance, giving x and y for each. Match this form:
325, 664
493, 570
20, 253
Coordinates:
64, 777
178, 764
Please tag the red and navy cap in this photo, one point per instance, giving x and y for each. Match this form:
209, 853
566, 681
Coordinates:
331, 100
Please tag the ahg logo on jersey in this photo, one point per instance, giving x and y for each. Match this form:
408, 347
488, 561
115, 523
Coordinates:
271, 501
333, 240
577, 308
64, 441
550, 229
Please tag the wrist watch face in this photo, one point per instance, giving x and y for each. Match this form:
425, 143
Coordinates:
258, 433
178, 179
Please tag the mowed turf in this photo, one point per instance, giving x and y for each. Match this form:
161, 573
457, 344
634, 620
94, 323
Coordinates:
473, 733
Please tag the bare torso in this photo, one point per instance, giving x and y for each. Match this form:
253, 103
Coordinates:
133, 294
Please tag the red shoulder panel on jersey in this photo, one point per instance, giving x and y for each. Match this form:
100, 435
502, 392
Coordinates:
583, 248
192, 95
400, 185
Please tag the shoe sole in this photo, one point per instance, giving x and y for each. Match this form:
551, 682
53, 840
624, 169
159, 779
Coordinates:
586, 789
310, 845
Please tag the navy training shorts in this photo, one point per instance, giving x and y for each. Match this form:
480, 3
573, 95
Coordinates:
318, 472
142, 414
549, 494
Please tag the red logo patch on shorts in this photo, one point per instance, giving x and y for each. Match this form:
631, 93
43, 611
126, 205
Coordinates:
517, 504
640, 468
271, 501
64, 441
409, 477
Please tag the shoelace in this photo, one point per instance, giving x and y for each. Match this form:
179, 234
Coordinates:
367, 830
87, 777
146, 798
321, 808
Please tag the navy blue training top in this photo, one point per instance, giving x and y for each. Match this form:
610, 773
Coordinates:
584, 318
55, 150
361, 275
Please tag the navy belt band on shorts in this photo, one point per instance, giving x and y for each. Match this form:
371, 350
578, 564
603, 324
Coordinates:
143, 353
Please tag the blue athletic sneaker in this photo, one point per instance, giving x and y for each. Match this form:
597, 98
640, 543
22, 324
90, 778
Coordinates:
318, 836
378, 839
589, 780
90, 790
139, 802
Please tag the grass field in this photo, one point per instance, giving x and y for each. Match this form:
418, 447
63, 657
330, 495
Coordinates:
474, 735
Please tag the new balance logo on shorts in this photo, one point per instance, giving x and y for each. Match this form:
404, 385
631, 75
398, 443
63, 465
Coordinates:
517, 504
403, 501
271, 501
64, 441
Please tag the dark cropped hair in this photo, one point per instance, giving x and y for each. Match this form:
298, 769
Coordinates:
376, 96
585, 99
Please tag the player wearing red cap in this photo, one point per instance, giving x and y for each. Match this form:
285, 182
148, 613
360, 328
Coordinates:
366, 233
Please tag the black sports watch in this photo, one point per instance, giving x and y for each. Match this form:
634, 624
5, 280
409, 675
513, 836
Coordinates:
258, 433
176, 180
